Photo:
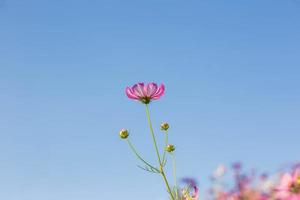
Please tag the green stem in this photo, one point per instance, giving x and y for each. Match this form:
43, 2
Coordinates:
157, 153
166, 143
152, 134
174, 174
167, 184
139, 157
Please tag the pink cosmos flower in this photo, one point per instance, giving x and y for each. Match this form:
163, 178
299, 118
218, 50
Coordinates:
289, 187
186, 193
145, 93
248, 194
194, 196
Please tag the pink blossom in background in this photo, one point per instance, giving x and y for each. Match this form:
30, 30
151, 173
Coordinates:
192, 183
145, 92
219, 172
289, 187
194, 196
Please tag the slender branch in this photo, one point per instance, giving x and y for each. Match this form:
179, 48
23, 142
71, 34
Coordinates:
167, 184
157, 153
174, 173
139, 157
149, 169
166, 143
152, 134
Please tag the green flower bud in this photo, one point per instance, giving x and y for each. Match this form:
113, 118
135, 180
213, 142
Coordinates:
123, 133
164, 126
170, 148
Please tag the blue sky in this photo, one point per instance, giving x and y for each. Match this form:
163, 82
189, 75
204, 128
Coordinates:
231, 70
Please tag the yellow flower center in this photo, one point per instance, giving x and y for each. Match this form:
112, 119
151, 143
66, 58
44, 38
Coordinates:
295, 187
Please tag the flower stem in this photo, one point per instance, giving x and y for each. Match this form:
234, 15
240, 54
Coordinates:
166, 143
167, 184
152, 134
157, 153
174, 173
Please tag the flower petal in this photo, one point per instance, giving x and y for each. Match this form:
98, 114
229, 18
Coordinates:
151, 89
195, 194
159, 92
138, 89
286, 181
130, 93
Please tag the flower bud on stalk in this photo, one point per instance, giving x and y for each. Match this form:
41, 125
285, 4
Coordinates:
170, 148
164, 126
123, 133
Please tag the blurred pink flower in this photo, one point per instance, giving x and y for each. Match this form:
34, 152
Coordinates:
248, 194
289, 187
145, 93
194, 196
192, 183
219, 172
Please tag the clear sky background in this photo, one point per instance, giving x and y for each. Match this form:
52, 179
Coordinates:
232, 76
